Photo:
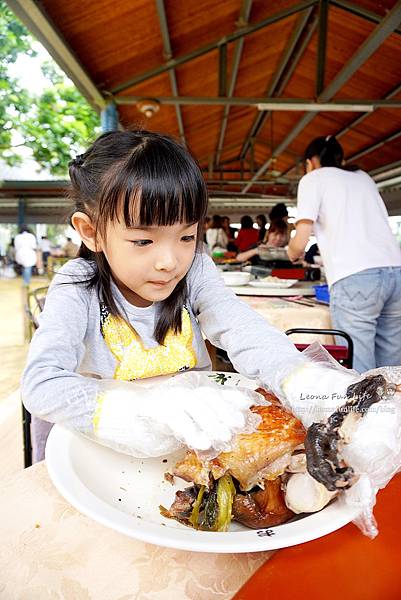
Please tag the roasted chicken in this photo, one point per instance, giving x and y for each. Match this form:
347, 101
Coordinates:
254, 457
257, 460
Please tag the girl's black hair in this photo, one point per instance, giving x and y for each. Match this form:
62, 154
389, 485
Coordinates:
138, 177
329, 151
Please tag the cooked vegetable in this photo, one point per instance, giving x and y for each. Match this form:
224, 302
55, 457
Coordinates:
225, 496
193, 519
211, 511
216, 515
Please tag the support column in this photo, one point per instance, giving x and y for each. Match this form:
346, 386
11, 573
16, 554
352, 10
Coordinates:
21, 212
109, 118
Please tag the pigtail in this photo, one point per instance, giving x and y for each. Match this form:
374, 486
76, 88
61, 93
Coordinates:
330, 153
170, 316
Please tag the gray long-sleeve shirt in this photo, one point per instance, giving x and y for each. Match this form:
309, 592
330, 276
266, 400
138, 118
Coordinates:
77, 337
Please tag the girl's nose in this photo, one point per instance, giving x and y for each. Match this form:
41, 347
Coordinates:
166, 261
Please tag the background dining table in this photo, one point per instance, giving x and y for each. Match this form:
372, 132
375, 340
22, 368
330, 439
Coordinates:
292, 312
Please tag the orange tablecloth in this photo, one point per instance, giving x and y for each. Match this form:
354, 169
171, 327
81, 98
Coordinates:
344, 565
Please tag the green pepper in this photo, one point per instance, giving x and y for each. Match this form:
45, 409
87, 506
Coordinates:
225, 496
193, 519
211, 511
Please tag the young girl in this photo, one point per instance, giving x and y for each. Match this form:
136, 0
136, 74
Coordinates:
134, 305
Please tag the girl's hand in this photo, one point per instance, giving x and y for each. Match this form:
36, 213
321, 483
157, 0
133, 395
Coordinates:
207, 418
160, 419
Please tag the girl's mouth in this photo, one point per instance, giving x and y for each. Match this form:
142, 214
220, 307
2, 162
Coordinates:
160, 283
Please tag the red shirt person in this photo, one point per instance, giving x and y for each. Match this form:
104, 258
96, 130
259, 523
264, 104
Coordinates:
247, 237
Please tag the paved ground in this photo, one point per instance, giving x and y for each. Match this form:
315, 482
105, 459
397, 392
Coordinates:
13, 351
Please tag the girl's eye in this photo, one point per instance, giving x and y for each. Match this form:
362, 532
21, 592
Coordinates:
141, 243
188, 238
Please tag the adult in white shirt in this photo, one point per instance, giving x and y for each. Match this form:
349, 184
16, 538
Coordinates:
216, 237
25, 252
361, 255
45, 246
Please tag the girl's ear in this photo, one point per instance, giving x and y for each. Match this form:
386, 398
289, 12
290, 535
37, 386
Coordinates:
82, 223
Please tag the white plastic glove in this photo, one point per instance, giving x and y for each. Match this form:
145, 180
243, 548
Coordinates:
313, 391
154, 421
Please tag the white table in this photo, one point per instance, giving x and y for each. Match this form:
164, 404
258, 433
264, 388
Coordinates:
302, 289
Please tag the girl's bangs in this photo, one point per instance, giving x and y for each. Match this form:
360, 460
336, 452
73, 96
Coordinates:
155, 188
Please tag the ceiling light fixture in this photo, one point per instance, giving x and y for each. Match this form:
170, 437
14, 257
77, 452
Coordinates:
148, 106
315, 106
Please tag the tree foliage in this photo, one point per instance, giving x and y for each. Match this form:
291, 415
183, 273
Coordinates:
55, 125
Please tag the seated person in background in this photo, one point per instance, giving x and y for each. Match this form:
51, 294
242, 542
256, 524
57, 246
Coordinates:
206, 224
216, 237
277, 235
262, 222
279, 212
312, 256
230, 232
247, 235
70, 249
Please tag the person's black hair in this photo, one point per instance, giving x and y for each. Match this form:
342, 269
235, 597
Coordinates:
139, 177
262, 227
216, 222
24, 229
329, 151
278, 212
246, 222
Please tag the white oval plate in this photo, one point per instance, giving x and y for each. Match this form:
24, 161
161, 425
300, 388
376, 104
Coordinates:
124, 494
284, 283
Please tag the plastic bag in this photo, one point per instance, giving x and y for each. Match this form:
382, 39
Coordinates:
314, 390
374, 451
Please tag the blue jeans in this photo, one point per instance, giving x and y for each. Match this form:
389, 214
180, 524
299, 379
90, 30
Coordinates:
367, 305
27, 274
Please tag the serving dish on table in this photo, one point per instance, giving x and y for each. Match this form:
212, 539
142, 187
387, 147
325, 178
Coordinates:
235, 278
273, 282
124, 493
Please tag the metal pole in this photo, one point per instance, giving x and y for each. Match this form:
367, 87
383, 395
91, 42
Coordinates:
284, 70
109, 118
387, 26
239, 46
236, 35
322, 45
168, 54
297, 104
386, 168
378, 144
223, 70
359, 120
359, 11
21, 212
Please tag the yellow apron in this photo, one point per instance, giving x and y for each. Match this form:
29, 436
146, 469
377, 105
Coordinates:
137, 362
